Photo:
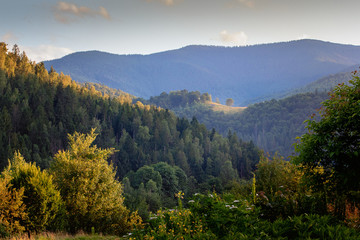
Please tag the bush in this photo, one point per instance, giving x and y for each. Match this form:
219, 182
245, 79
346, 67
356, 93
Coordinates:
41, 197
214, 217
12, 209
92, 195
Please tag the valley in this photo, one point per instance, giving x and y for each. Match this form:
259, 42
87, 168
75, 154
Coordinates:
102, 160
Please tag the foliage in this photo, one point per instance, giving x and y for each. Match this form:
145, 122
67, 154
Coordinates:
41, 197
12, 209
154, 186
92, 195
310, 226
280, 192
174, 224
329, 152
212, 216
178, 99
229, 102
107, 92
276, 174
272, 125
39, 108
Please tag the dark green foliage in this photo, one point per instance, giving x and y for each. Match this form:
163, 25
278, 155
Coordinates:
39, 110
329, 152
154, 186
271, 125
214, 217
280, 193
178, 99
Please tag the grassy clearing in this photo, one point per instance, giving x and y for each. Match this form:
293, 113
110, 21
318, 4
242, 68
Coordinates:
217, 107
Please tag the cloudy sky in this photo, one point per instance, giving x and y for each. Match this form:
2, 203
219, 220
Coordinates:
48, 29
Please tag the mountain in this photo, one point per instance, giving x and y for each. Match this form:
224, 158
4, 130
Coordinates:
322, 85
241, 73
327, 83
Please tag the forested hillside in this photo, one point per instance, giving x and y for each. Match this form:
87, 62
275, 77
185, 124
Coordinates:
271, 125
241, 73
232, 190
40, 108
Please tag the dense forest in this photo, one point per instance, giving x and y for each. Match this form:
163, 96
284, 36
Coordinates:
271, 125
40, 108
64, 148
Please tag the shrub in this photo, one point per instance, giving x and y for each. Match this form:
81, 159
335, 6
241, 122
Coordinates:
92, 195
41, 197
12, 209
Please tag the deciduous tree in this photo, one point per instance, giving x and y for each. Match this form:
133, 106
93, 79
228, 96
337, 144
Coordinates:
92, 195
41, 197
330, 151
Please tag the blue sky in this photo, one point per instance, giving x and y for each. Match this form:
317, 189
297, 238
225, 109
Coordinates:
48, 29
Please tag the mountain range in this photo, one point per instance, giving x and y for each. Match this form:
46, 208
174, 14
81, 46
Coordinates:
244, 74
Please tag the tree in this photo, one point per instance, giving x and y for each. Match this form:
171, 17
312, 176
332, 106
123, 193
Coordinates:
41, 197
329, 153
12, 209
205, 97
92, 195
229, 102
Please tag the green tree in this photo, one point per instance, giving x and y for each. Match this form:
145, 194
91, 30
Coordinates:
92, 195
276, 174
329, 153
41, 197
229, 102
205, 97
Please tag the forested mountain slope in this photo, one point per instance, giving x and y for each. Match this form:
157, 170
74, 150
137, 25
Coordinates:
241, 73
272, 125
38, 109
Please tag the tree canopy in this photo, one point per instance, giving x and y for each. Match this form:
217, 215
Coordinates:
92, 195
41, 197
329, 151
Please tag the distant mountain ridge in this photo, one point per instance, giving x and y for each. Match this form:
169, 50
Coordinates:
241, 73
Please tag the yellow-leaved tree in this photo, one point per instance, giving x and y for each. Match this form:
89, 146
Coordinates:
41, 197
12, 209
92, 195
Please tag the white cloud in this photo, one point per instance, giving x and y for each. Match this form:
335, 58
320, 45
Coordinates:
45, 52
65, 12
233, 39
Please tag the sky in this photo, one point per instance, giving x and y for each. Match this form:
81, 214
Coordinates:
49, 29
